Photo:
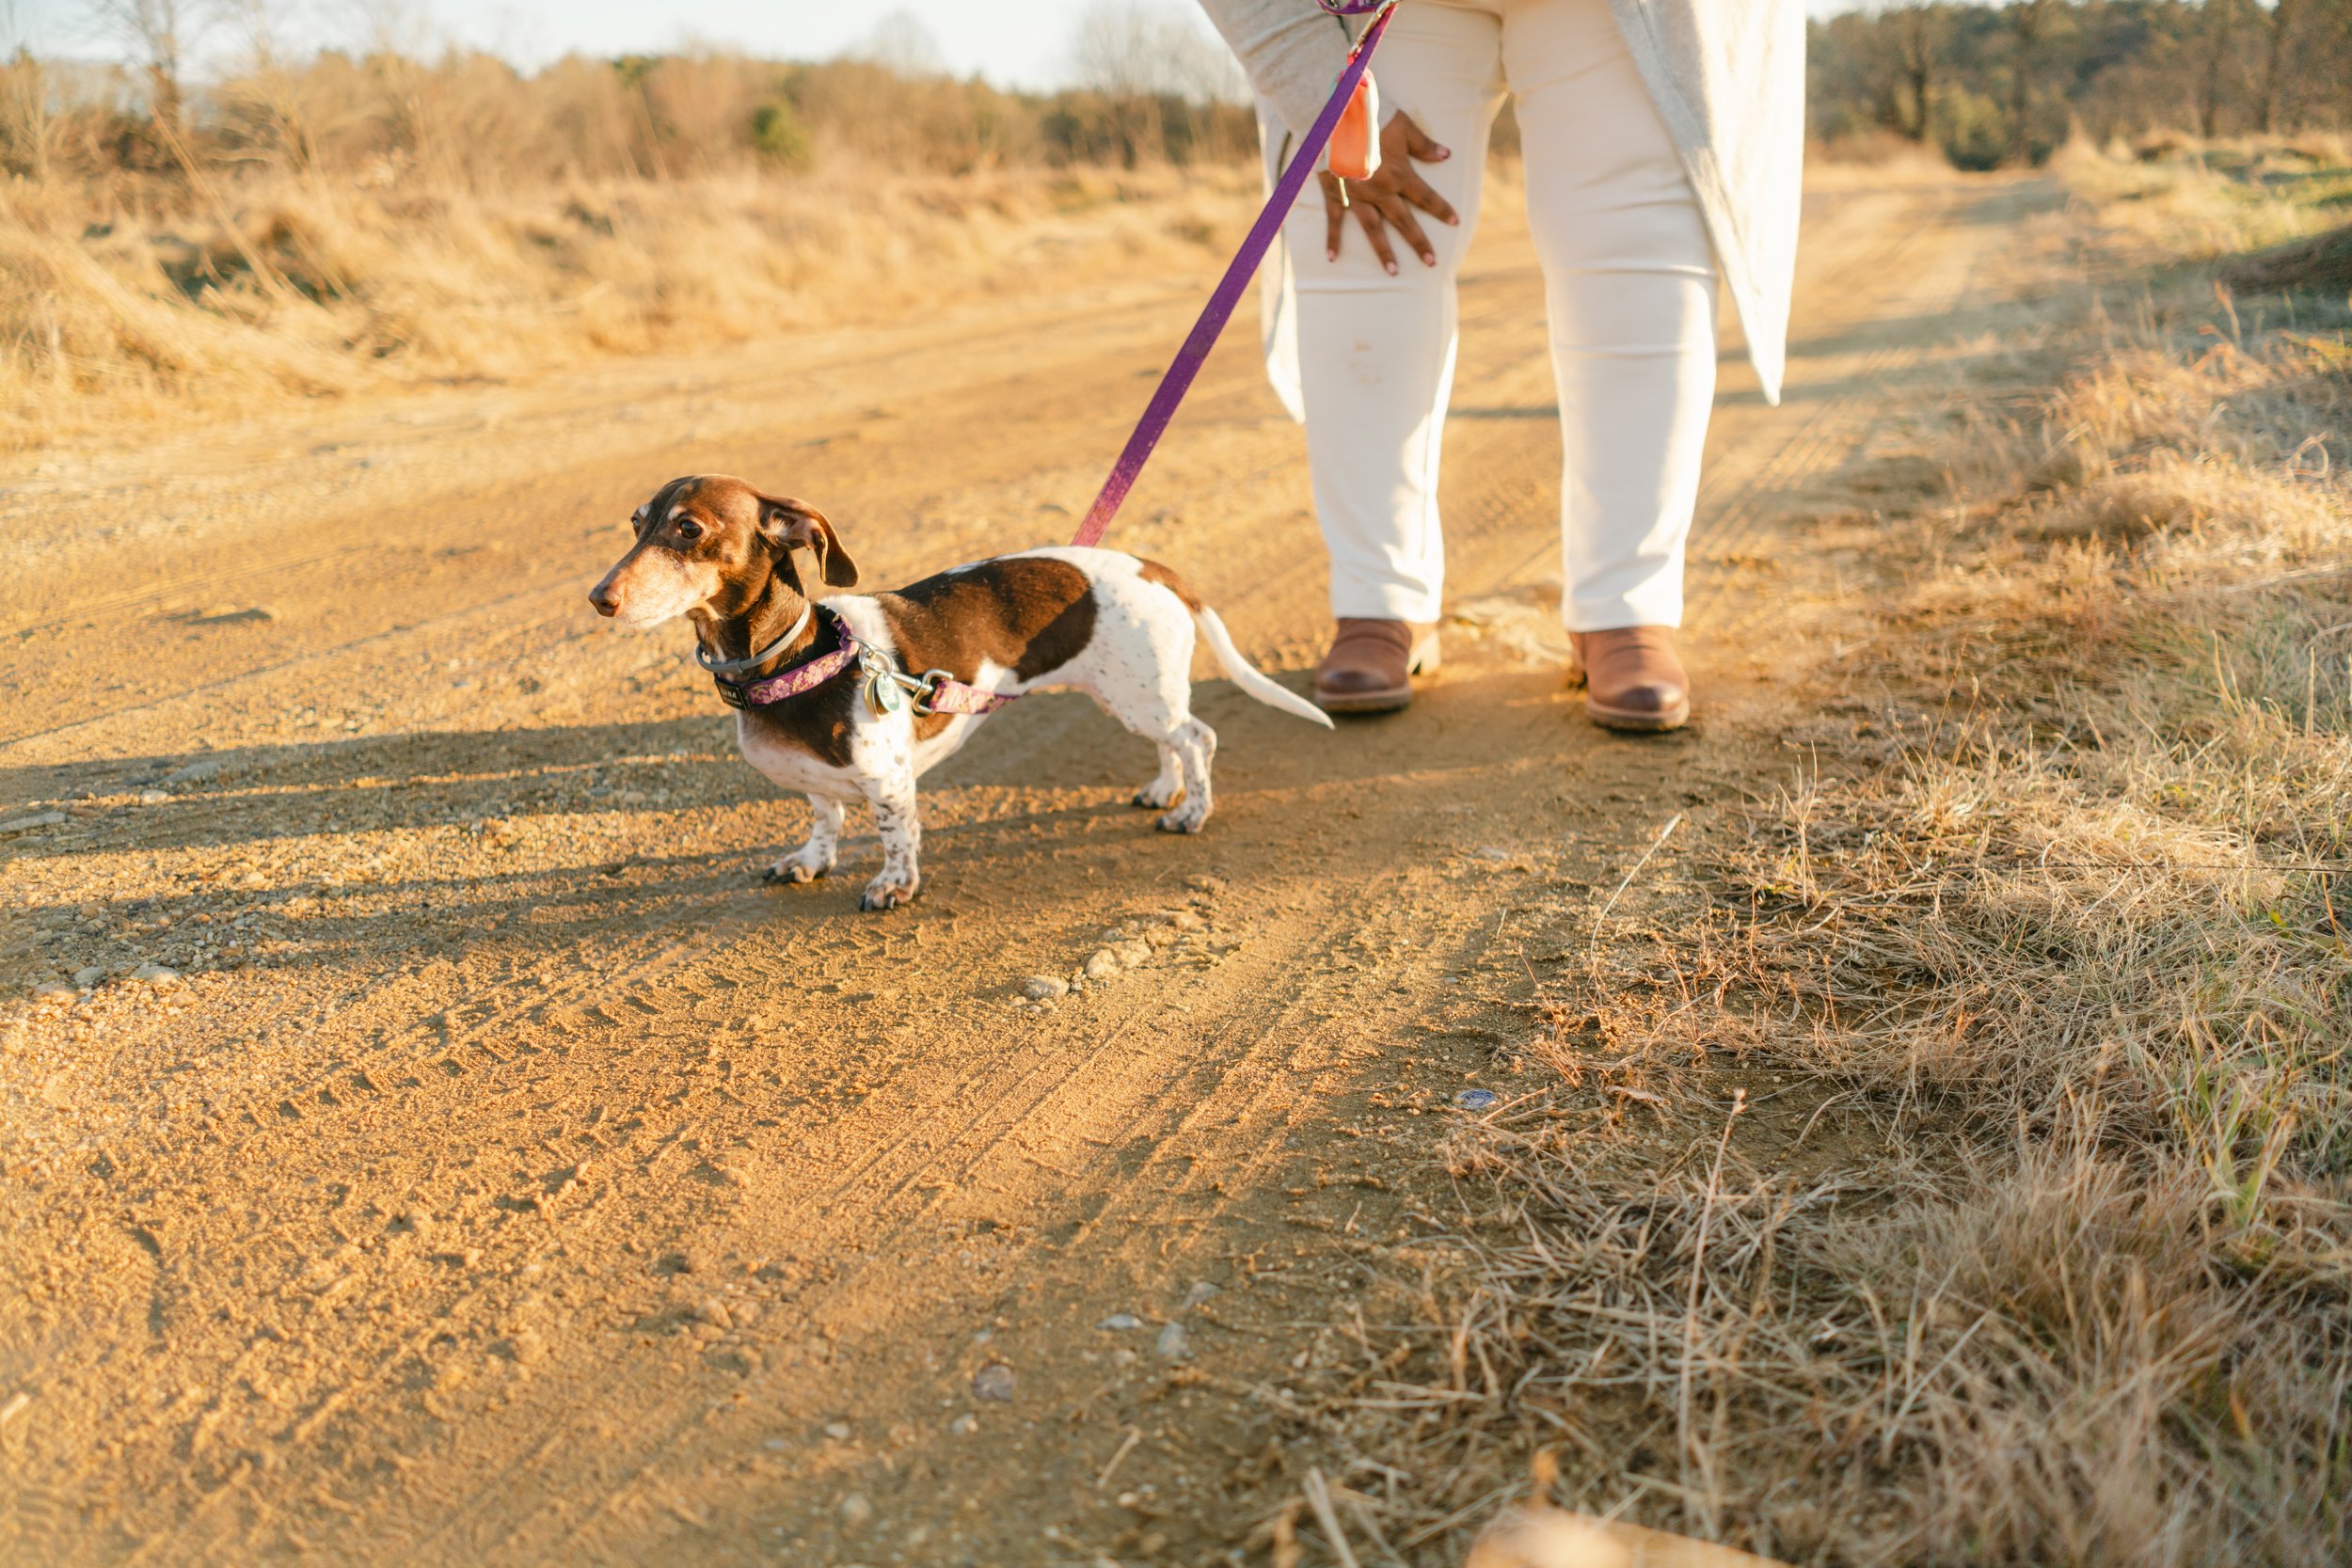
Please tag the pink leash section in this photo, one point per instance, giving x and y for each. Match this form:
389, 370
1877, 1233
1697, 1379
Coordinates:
1229, 289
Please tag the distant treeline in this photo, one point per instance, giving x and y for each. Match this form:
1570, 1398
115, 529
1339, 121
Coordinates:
1989, 84
392, 114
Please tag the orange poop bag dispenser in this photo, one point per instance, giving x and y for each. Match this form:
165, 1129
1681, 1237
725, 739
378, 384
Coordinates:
1354, 152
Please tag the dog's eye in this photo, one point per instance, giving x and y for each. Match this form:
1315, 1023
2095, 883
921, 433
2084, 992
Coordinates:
688, 530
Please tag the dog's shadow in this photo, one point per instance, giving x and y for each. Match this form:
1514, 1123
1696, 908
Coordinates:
278, 826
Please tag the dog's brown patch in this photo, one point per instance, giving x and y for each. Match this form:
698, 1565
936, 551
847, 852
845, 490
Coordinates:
1167, 577
1031, 614
815, 721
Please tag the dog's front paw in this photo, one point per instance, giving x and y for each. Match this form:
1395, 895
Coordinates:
887, 892
1183, 819
797, 868
1156, 796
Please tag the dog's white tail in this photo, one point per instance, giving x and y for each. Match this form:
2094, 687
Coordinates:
1241, 674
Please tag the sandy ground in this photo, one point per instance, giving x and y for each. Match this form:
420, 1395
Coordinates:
510, 1178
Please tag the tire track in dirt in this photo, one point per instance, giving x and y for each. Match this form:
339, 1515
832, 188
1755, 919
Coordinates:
1080, 1107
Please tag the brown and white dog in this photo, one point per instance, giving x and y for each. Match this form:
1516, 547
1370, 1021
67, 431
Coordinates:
745, 568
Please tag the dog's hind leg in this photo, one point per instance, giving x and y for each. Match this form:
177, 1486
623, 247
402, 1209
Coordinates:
815, 858
1161, 792
1195, 745
892, 796
1162, 714
1151, 695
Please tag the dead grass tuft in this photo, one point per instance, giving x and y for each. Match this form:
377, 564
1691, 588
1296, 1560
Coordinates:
300, 287
2016, 1225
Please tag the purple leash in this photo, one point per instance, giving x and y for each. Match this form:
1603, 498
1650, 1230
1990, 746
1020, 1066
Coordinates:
936, 690
1214, 315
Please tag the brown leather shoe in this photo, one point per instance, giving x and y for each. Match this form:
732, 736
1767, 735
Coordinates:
1370, 665
1632, 679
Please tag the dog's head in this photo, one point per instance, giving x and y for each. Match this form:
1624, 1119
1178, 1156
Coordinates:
708, 546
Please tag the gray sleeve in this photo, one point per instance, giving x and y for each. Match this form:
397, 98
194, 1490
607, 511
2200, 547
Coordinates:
1292, 49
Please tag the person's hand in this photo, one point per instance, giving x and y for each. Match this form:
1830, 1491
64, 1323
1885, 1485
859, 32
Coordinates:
1389, 195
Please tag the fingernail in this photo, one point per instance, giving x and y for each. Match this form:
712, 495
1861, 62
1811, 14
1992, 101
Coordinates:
1330, 255
1392, 269
1445, 152
1428, 258
1456, 222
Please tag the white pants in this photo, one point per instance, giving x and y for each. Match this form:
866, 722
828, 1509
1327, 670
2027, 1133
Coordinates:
1628, 285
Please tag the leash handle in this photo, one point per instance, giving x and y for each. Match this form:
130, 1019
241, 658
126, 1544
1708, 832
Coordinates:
1229, 289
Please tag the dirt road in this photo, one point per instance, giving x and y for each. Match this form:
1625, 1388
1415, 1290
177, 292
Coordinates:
510, 1178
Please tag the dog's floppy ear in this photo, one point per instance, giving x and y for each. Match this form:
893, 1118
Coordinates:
790, 525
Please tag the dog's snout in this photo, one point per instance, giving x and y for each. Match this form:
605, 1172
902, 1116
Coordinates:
607, 603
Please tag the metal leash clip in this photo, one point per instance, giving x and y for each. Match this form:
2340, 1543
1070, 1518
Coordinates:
887, 690
927, 688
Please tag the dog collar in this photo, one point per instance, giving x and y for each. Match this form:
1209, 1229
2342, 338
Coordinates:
752, 662
792, 680
886, 686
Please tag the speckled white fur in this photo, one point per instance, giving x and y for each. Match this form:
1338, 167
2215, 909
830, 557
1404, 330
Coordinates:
1137, 666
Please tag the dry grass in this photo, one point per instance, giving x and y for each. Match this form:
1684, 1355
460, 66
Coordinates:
2021, 1228
302, 287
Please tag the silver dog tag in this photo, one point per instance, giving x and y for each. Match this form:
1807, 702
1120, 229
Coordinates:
883, 695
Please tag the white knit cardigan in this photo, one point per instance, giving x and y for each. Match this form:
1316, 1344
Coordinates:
1727, 77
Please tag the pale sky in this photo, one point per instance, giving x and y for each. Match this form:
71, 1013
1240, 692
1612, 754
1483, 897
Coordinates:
1011, 42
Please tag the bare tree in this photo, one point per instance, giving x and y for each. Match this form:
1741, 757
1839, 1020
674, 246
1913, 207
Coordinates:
2029, 29
1137, 55
2284, 17
902, 42
262, 86
158, 36
1919, 32
24, 101
2220, 24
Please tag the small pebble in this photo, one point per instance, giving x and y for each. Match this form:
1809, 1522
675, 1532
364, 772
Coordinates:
714, 1313
1120, 1321
1044, 988
1205, 884
156, 975
837, 1431
1174, 1343
52, 990
38, 819
1475, 1099
153, 796
964, 1425
994, 1381
83, 979
1103, 965
856, 1512
1200, 1292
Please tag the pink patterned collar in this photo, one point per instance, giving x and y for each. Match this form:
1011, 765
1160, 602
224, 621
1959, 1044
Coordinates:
793, 679
933, 691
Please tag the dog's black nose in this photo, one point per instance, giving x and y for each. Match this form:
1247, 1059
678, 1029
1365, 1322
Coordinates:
601, 596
